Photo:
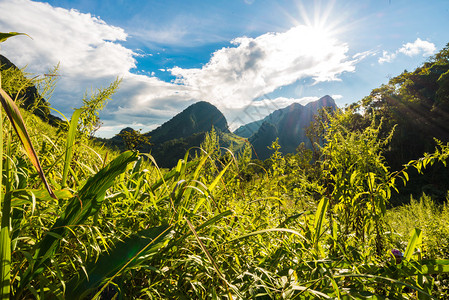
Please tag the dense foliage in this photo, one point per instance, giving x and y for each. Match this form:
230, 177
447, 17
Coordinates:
417, 105
219, 225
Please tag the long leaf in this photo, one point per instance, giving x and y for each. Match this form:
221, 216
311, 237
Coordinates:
209, 257
5, 234
127, 253
70, 143
413, 268
415, 239
319, 218
5, 259
6, 35
5, 242
5, 247
13, 113
214, 183
79, 208
5, 204
386, 279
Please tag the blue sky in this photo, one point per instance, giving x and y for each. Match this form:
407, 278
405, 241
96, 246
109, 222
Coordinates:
247, 57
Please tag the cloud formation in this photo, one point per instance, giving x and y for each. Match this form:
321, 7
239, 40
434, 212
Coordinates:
417, 47
410, 49
92, 54
84, 44
257, 66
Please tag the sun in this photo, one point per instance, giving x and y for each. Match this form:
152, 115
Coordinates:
320, 17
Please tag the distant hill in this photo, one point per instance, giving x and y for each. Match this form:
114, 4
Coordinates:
198, 117
288, 124
170, 141
247, 130
29, 94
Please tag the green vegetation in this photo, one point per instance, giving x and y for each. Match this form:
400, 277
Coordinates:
218, 225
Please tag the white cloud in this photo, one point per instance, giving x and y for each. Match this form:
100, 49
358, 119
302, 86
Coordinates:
417, 47
362, 55
111, 128
337, 97
84, 44
91, 56
257, 66
387, 57
410, 49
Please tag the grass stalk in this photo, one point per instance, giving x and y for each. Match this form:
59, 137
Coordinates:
5, 242
69, 145
209, 257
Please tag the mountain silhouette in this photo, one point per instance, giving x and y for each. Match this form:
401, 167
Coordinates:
197, 118
288, 124
169, 142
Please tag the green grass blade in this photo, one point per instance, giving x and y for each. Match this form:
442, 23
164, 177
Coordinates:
6, 35
215, 182
286, 230
5, 237
386, 279
209, 222
188, 192
13, 113
414, 268
70, 143
415, 240
5, 257
319, 218
127, 253
210, 258
214, 219
5, 234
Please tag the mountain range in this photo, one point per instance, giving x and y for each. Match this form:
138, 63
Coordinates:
171, 140
288, 124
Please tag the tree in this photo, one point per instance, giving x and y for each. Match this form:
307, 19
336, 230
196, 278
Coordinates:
133, 139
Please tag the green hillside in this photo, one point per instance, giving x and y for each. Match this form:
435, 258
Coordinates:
198, 117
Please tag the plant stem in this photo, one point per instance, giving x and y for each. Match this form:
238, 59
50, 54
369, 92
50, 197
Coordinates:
5, 242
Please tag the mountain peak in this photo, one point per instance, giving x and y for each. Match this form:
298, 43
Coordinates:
327, 101
198, 117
